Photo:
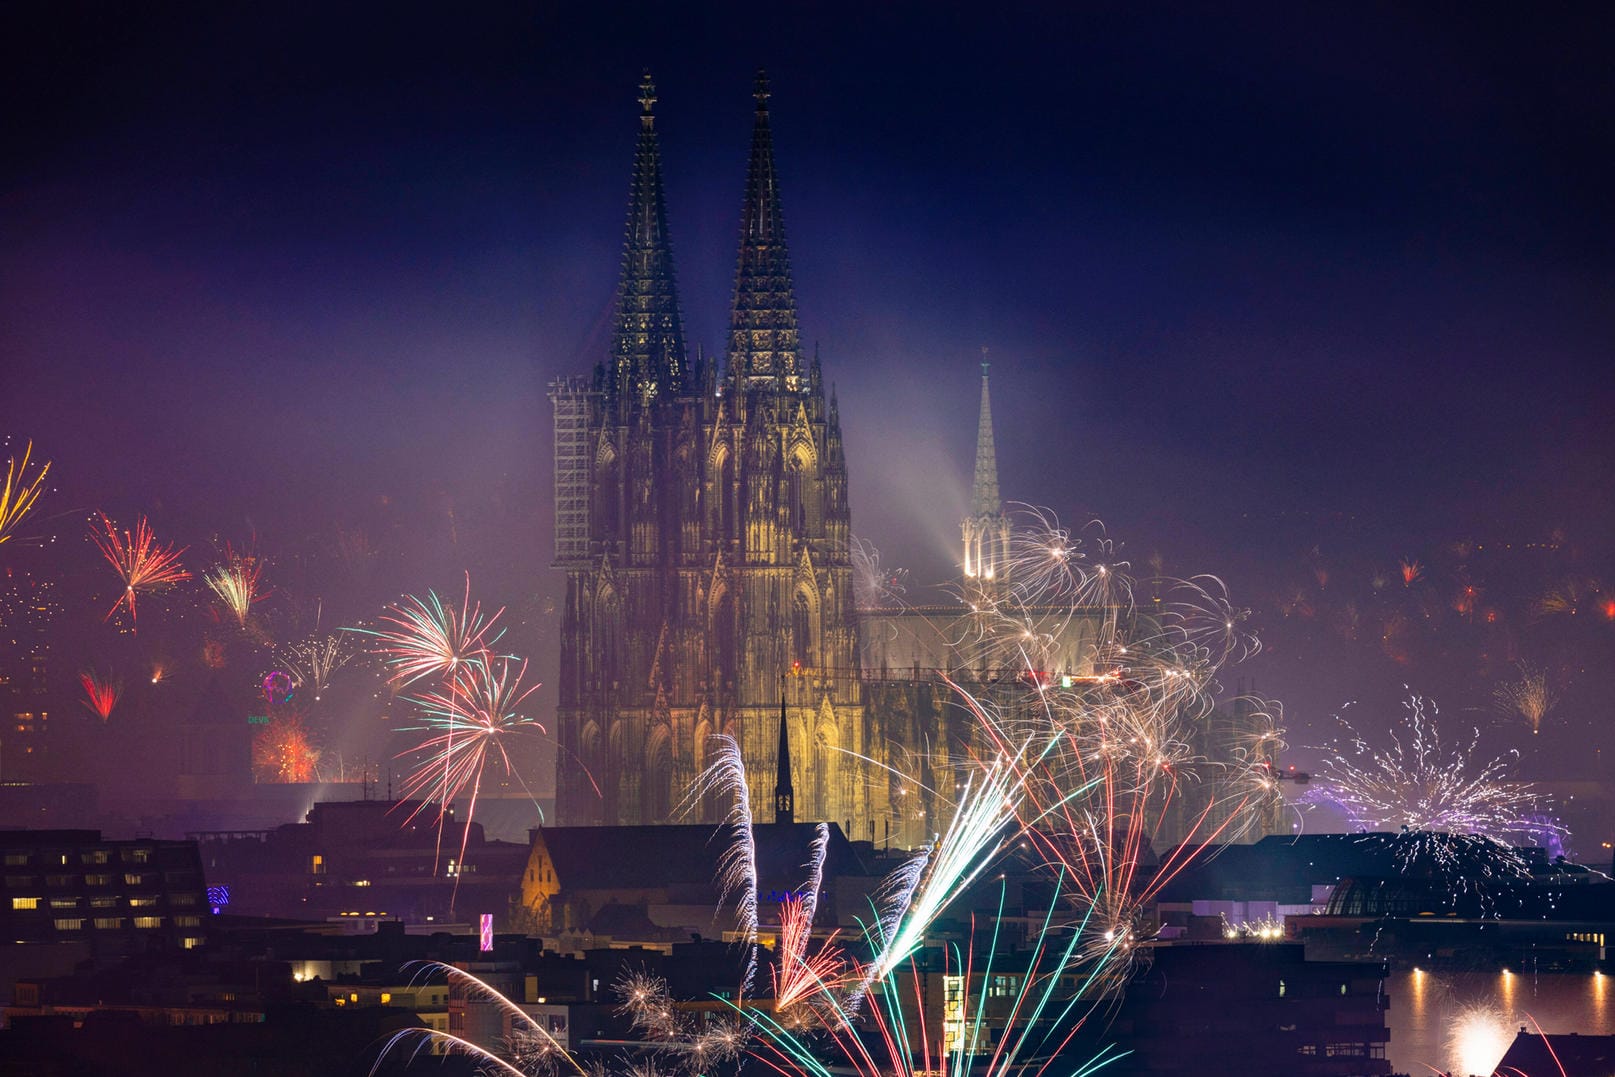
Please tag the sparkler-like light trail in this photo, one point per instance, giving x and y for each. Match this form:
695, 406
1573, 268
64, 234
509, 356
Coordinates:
737, 866
142, 564
312, 661
1434, 794
238, 583
20, 492
101, 694
1529, 697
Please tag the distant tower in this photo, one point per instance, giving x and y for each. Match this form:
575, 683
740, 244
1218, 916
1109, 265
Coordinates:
701, 519
784, 791
986, 529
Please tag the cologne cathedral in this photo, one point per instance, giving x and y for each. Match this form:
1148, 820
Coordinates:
703, 526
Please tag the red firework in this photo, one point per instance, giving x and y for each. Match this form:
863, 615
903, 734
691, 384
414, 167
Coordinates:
284, 752
140, 561
100, 693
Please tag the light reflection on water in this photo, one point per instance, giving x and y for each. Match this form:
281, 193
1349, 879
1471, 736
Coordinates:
1463, 1022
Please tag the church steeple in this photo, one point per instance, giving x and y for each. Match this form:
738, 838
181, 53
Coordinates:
986, 531
784, 792
647, 346
984, 491
764, 348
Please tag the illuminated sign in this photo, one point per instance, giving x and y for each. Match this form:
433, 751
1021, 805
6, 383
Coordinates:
487, 932
257, 719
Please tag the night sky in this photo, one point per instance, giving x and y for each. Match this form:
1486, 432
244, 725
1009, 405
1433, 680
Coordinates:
1287, 295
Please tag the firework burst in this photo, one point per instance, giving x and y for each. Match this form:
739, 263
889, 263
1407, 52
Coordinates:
238, 583
1433, 793
1529, 697
311, 662
1103, 752
101, 693
431, 638
20, 492
800, 976
144, 566
284, 751
468, 726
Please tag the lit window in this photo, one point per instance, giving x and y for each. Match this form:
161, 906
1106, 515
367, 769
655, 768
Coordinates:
25, 903
106, 922
70, 925
148, 921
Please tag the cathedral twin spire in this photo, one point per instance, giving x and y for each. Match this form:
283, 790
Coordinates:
648, 354
648, 351
764, 347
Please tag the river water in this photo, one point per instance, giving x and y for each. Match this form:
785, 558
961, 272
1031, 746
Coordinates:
1463, 1022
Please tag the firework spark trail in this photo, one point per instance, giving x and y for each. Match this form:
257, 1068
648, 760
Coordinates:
987, 808
20, 492
1433, 793
425, 1038
816, 854
469, 726
101, 694
874, 586
314, 660
238, 584
430, 638
737, 866
1529, 697
1114, 756
799, 976
1042, 1019
143, 565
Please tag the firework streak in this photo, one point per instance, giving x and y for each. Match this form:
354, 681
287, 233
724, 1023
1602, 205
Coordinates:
20, 492
238, 583
100, 693
142, 564
737, 867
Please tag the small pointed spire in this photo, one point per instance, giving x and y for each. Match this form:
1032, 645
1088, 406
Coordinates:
764, 347
648, 357
784, 792
984, 500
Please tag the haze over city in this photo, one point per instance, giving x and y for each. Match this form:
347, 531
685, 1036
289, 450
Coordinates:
1313, 304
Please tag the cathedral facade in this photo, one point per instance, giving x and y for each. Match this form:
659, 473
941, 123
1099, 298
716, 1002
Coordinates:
703, 526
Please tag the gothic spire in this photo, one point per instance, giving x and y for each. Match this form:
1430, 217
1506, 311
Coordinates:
763, 343
984, 492
647, 347
784, 793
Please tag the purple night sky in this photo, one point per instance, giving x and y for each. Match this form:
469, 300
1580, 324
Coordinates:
1285, 295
